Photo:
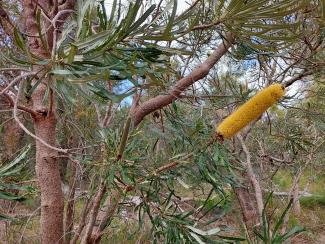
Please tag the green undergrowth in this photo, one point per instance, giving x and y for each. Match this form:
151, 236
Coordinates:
315, 180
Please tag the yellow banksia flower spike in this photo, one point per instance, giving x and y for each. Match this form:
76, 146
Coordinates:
250, 111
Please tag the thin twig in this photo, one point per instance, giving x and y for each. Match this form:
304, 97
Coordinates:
296, 78
20, 90
23, 232
13, 82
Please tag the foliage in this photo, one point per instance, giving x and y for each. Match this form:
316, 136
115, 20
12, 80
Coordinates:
102, 58
269, 235
10, 188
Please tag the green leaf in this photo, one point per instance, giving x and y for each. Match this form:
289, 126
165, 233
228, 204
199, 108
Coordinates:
232, 238
112, 14
294, 231
197, 238
65, 72
39, 29
281, 219
171, 20
102, 15
64, 35
20, 41
17, 160
139, 22
83, 8
211, 232
11, 197
72, 54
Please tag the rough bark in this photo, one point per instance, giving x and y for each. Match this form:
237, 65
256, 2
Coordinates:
48, 174
47, 165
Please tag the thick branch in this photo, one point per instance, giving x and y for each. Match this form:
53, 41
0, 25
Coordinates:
197, 74
20, 107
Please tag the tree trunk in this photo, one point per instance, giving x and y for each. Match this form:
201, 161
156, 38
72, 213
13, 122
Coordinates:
47, 163
48, 173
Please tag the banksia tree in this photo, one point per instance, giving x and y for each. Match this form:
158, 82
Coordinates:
250, 111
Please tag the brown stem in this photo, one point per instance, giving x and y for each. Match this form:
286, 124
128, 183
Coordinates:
198, 73
248, 208
70, 205
252, 177
20, 107
296, 78
93, 215
206, 26
112, 204
86, 208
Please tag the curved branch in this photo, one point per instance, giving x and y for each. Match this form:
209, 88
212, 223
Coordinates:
198, 73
